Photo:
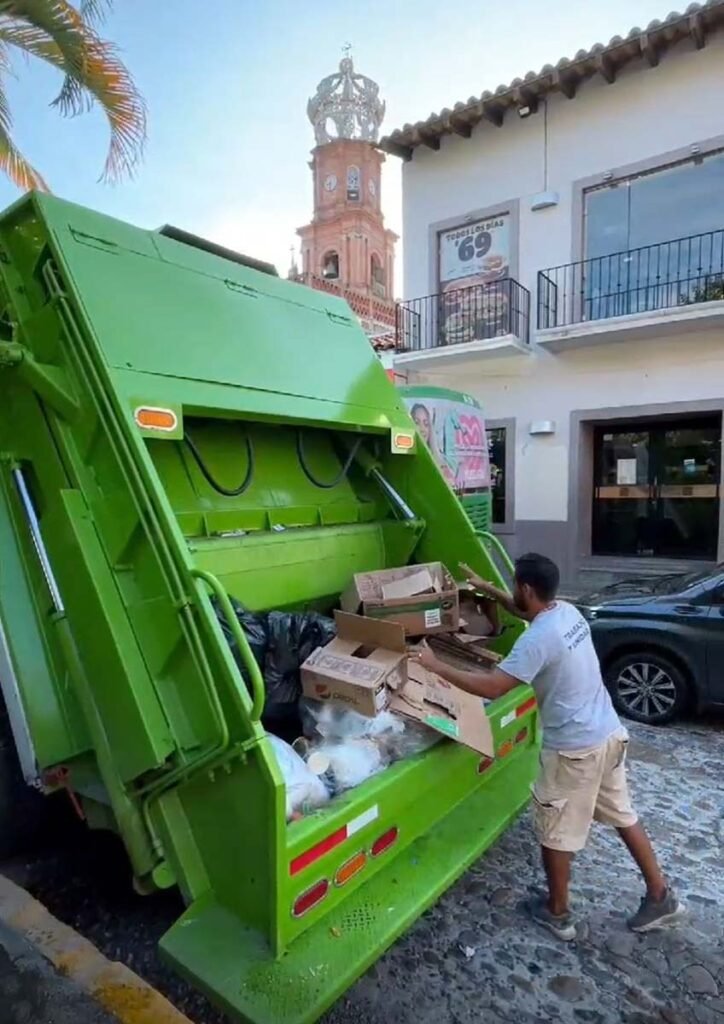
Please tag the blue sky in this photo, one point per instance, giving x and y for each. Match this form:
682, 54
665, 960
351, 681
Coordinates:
228, 136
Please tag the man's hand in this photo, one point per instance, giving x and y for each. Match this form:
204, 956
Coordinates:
478, 583
425, 657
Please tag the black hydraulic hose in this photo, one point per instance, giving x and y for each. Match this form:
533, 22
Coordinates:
228, 493
325, 485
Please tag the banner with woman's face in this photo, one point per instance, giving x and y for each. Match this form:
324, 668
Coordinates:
455, 433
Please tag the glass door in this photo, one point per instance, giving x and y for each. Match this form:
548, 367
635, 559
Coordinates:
687, 459
623, 494
656, 490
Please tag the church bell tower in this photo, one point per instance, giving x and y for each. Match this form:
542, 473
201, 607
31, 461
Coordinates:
346, 243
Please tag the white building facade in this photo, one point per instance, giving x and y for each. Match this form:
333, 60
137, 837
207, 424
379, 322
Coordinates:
564, 264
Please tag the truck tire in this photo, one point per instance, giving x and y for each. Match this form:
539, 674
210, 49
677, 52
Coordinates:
22, 809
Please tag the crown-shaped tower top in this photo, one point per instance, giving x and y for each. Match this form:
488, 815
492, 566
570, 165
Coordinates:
346, 105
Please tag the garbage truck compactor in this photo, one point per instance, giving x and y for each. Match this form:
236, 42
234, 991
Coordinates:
178, 428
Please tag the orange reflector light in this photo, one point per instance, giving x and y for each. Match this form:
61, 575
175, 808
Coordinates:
483, 764
150, 418
351, 868
403, 441
310, 898
386, 840
505, 748
522, 736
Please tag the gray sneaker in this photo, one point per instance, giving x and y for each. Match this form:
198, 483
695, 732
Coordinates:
656, 913
561, 925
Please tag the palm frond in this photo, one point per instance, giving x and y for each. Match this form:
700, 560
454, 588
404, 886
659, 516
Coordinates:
94, 71
31, 40
12, 161
94, 12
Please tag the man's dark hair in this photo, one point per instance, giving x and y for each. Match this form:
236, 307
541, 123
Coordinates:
540, 573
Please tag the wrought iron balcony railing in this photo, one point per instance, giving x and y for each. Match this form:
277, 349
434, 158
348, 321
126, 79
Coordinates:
461, 315
680, 272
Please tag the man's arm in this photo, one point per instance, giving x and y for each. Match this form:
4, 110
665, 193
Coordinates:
481, 684
502, 597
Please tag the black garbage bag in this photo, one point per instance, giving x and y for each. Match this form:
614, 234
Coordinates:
280, 642
291, 638
255, 630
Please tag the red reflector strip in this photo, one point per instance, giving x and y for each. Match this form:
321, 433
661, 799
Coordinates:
315, 852
335, 839
310, 898
525, 707
522, 736
386, 840
483, 764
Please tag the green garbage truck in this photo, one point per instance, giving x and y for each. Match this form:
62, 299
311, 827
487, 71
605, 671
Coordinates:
180, 429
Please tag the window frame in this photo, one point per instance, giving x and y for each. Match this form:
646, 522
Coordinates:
507, 527
608, 176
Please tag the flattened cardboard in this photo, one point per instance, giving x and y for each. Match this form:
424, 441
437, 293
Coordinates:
453, 713
435, 611
475, 620
463, 650
360, 667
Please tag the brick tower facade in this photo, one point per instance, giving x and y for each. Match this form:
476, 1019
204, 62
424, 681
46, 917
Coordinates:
346, 248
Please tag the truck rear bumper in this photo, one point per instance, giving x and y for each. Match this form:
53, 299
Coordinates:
234, 967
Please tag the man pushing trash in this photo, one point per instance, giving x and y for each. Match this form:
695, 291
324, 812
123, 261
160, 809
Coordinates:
582, 774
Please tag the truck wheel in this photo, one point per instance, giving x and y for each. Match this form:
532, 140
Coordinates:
647, 687
22, 809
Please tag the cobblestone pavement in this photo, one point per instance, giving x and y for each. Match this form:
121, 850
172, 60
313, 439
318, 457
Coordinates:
475, 958
32, 993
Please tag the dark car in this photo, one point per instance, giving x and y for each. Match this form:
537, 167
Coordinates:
661, 643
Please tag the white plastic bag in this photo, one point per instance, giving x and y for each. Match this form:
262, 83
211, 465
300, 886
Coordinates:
332, 721
305, 791
350, 762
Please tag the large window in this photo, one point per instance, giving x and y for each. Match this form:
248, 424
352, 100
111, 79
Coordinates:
655, 239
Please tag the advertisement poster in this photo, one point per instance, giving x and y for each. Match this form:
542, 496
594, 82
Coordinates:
474, 262
455, 433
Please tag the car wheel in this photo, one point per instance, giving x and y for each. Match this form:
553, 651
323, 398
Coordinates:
647, 687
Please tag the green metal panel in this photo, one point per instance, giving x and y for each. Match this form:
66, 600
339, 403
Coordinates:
345, 941
145, 703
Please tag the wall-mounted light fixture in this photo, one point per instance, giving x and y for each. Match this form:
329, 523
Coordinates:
544, 200
527, 108
542, 428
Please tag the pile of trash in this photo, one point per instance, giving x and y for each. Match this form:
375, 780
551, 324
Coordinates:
340, 749
343, 699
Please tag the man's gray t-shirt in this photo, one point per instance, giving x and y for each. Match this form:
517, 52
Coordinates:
556, 656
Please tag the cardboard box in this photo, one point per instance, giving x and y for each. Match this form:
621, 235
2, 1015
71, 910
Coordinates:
366, 660
458, 715
464, 650
422, 598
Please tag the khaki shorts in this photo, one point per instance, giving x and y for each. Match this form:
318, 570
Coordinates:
576, 787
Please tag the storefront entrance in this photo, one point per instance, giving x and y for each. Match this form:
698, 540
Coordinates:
656, 488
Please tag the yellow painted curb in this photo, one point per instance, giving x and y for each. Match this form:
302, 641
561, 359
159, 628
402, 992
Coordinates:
112, 985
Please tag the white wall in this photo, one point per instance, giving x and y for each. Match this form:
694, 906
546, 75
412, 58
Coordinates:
646, 112
550, 387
